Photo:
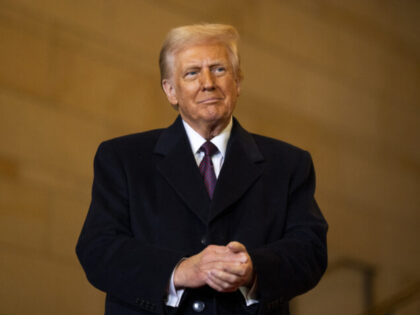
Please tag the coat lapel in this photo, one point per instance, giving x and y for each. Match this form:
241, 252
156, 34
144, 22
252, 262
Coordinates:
243, 165
180, 170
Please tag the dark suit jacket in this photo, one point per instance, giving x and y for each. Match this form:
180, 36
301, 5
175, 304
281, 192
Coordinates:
150, 208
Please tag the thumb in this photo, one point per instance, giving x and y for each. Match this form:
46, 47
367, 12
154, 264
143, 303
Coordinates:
236, 247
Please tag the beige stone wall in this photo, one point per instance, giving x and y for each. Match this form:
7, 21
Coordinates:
339, 78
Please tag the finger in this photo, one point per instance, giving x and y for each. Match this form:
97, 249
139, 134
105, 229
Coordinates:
210, 257
222, 285
236, 247
218, 249
234, 273
221, 276
216, 286
236, 268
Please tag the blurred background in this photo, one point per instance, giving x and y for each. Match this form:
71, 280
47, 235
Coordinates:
338, 78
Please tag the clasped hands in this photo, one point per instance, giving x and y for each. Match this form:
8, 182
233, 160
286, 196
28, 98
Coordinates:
223, 268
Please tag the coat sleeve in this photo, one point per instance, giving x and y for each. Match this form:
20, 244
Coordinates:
114, 261
294, 263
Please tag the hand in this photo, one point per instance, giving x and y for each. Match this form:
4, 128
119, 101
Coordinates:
193, 272
230, 276
224, 268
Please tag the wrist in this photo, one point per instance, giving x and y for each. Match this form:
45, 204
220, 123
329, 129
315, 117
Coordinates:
250, 282
179, 277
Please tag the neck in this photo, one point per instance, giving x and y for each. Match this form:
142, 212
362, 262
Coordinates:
209, 130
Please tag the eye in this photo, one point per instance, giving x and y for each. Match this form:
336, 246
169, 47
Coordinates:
190, 74
219, 70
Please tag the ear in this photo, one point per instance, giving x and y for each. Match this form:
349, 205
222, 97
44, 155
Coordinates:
238, 87
170, 92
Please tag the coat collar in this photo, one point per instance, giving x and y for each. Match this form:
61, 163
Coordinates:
243, 165
241, 168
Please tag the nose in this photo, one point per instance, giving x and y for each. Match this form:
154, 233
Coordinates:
207, 80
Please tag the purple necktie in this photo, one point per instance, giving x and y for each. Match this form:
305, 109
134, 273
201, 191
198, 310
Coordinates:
206, 167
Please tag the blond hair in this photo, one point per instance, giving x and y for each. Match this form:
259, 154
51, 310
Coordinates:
189, 35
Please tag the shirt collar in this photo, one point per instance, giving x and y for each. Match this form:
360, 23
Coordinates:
220, 141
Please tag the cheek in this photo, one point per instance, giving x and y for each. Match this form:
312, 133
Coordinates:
232, 93
187, 92
230, 87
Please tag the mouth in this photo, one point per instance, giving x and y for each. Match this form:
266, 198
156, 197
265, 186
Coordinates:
210, 100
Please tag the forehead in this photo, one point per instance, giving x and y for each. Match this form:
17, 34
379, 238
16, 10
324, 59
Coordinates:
202, 54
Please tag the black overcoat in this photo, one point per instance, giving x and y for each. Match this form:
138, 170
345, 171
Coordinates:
150, 208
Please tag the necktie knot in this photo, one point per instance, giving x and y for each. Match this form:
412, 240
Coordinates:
209, 148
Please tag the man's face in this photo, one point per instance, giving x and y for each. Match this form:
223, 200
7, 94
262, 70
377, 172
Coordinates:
203, 85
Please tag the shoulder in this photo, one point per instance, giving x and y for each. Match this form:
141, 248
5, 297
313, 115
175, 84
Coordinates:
283, 157
278, 154
277, 148
132, 143
285, 160
267, 147
144, 137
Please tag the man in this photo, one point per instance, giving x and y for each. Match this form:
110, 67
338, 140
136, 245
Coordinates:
202, 217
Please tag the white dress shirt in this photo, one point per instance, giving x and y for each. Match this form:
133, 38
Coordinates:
220, 141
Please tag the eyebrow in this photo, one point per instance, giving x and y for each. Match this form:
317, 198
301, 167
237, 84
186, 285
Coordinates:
194, 65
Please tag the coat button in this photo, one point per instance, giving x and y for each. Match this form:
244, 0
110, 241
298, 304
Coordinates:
203, 240
198, 306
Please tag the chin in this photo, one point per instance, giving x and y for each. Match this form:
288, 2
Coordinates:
215, 112
216, 120
213, 116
